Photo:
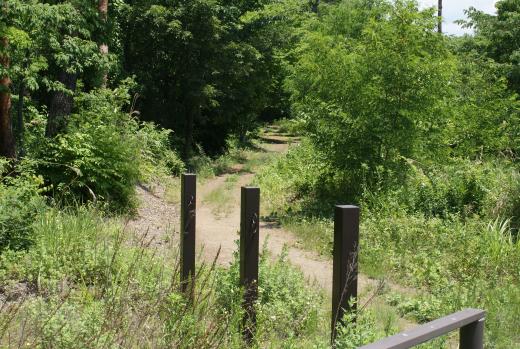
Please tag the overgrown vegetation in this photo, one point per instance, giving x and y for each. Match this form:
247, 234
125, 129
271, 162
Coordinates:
88, 283
420, 131
418, 128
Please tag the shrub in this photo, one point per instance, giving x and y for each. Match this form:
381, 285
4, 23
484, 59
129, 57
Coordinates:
76, 246
355, 334
454, 263
105, 152
291, 179
369, 92
488, 188
158, 157
287, 307
94, 162
20, 204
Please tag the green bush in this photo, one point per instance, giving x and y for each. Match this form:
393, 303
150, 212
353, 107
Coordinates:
485, 113
292, 180
94, 162
292, 127
361, 332
78, 247
372, 91
105, 152
156, 150
487, 188
287, 307
21, 203
454, 263
449, 230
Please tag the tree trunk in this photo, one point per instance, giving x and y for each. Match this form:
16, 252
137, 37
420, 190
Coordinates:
439, 13
7, 143
103, 47
20, 129
61, 105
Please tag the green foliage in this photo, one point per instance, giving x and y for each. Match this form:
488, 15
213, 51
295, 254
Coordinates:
485, 121
461, 187
238, 157
213, 68
290, 178
454, 262
104, 152
497, 37
86, 283
70, 247
359, 333
419, 129
368, 95
20, 205
57, 36
156, 150
449, 231
287, 308
292, 127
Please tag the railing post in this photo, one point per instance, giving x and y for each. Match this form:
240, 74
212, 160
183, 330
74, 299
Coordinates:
345, 265
249, 249
472, 335
187, 232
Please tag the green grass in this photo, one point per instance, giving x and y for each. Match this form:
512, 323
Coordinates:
221, 198
313, 233
424, 237
87, 283
238, 158
91, 285
256, 160
172, 190
290, 127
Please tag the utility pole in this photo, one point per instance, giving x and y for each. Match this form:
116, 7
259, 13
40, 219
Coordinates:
439, 14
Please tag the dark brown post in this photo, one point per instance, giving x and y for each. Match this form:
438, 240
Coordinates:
187, 232
472, 335
439, 17
249, 241
345, 266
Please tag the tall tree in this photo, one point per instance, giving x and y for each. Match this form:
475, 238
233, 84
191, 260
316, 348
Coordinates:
498, 37
103, 47
72, 52
439, 13
7, 144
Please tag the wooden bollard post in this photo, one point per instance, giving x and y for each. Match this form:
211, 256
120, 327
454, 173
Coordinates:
249, 250
472, 335
187, 232
345, 263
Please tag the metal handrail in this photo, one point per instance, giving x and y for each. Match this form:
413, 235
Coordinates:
470, 322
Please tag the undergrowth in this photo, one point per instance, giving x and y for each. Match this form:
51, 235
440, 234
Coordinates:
86, 282
449, 232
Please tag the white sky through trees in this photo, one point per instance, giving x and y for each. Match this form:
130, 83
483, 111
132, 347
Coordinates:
454, 9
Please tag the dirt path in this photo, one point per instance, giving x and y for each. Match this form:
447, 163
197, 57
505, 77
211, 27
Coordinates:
216, 232
219, 231
159, 219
